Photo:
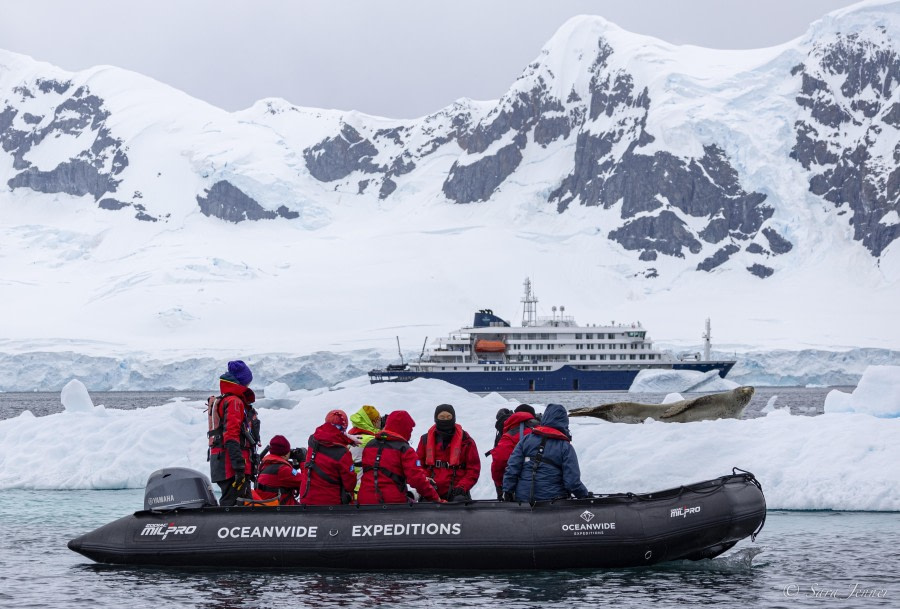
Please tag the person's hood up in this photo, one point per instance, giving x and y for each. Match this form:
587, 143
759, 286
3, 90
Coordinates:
361, 420
401, 424
227, 387
557, 417
328, 434
516, 418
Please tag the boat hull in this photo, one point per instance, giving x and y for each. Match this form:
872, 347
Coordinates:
566, 378
698, 521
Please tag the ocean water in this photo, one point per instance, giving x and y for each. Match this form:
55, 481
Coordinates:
801, 559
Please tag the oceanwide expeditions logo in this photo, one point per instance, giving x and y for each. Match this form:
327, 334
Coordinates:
162, 530
588, 527
682, 512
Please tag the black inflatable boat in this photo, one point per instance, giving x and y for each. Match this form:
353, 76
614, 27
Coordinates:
180, 527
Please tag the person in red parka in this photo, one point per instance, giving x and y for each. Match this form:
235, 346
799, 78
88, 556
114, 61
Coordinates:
233, 433
328, 474
518, 425
277, 476
389, 464
449, 456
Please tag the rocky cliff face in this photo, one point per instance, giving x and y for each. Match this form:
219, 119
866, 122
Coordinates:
594, 110
847, 132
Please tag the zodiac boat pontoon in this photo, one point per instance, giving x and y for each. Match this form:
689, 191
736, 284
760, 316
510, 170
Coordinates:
182, 526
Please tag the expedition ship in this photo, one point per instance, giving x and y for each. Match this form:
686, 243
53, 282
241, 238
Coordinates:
545, 354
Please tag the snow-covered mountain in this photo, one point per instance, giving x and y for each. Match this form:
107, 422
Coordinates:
635, 179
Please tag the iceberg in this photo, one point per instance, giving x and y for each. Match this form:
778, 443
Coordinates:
679, 381
75, 397
877, 394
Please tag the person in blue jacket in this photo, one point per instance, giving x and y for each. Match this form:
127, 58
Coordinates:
544, 464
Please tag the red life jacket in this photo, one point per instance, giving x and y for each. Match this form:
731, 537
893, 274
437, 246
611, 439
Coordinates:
329, 477
389, 464
452, 465
517, 426
455, 449
277, 480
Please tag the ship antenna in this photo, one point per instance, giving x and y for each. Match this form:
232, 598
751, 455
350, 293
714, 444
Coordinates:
707, 336
402, 363
422, 354
529, 310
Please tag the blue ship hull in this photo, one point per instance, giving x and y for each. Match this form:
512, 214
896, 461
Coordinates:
566, 378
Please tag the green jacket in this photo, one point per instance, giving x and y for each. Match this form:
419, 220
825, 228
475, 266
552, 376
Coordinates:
360, 420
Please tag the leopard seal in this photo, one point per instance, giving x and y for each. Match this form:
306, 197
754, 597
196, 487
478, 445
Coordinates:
726, 405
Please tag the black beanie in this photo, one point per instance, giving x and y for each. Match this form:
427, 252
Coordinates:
445, 408
445, 426
526, 408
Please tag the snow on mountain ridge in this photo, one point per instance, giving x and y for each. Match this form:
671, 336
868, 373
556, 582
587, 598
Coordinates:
640, 179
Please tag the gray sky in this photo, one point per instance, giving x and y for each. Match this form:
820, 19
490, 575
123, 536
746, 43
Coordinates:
398, 59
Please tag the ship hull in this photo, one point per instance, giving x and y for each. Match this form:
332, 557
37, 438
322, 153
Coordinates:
566, 378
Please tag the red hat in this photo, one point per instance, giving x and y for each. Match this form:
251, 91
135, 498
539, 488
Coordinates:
337, 418
279, 445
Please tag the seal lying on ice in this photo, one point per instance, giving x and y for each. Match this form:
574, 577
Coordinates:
727, 405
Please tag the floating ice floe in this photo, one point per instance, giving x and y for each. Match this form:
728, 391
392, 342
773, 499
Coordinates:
75, 397
877, 394
839, 461
679, 381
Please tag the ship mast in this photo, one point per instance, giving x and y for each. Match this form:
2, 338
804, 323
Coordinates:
529, 310
707, 336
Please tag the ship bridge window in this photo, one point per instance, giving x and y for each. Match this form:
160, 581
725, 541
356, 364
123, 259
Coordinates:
593, 356
591, 336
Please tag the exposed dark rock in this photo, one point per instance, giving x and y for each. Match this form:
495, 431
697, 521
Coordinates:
387, 187
112, 204
6, 118
337, 157
48, 84
24, 92
761, 271
648, 256
665, 233
892, 116
31, 119
287, 214
477, 182
362, 185
841, 172
777, 243
392, 134
226, 201
76, 177
720, 257
142, 214
756, 248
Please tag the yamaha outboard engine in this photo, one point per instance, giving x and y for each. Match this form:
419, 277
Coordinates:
178, 487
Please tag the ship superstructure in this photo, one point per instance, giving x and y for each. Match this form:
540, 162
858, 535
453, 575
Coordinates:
544, 354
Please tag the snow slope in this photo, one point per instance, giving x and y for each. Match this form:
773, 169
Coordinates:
358, 248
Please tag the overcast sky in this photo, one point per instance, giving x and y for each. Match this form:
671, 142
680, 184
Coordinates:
399, 59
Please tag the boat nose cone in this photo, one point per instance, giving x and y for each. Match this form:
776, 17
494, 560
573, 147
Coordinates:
75, 544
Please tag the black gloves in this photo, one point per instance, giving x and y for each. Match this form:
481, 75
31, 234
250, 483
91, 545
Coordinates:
459, 494
239, 481
499, 490
509, 496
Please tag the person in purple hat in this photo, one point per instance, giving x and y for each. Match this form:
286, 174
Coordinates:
233, 433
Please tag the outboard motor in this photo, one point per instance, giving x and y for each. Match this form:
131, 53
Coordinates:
178, 487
